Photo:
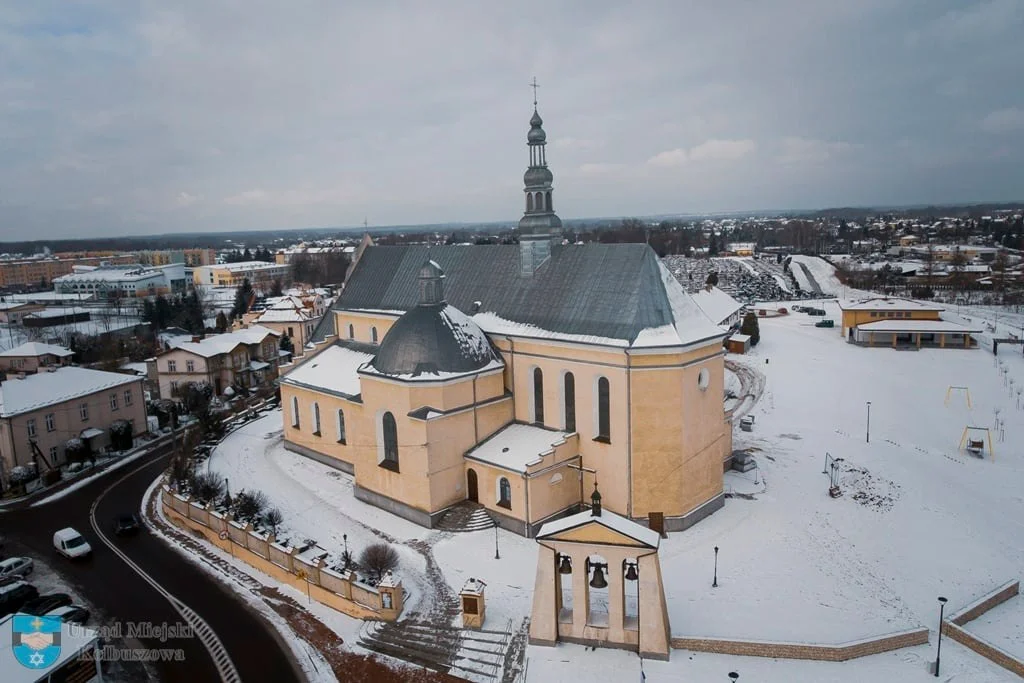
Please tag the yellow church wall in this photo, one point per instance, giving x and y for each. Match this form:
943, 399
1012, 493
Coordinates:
449, 438
487, 477
363, 324
326, 442
553, 490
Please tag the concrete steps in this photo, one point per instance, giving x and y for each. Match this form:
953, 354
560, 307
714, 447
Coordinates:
464, 517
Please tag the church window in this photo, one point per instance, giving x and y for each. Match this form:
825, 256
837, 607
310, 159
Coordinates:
316, 418
373, 334
569, 398
504, 493
547, 198
295, 412
351, 331
603, 410
538, 396
529, 201
341, 426
390, 437
538, 201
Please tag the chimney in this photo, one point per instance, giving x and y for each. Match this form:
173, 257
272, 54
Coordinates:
197, 339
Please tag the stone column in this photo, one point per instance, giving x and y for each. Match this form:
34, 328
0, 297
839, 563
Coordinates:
580, 592
616, 598
544, 615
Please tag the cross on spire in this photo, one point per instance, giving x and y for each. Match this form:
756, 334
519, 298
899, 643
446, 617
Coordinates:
533, 84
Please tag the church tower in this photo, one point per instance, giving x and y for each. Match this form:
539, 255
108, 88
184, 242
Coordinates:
539, 227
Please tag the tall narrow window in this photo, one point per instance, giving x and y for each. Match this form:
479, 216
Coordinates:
351, 331
295, 412
341, 426
390, 434
569, 396
373, 334
603, 418
316, 418
504, 493
538, 396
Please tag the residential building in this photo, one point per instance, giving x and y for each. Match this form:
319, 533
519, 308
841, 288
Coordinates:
512, 377
51, 407
886, 321
245, 359
260, 274
288, 315
31, 356
11, 312
189, 257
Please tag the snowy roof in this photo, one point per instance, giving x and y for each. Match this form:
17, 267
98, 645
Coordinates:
126, 274
217, 344
740, 337
473, 587
332, 370
607, 519
887, 304
917, 326
38, 349
716, 304
245, 266
285, 315
612, 294
517, 446
58, 312
50, 388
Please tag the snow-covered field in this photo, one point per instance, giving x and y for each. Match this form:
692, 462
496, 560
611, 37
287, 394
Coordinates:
823, 272
917, 519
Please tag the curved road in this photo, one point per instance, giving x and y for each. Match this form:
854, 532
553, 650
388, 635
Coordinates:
110, 584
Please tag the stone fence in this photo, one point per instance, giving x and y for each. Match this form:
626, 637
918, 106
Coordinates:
340, 590
953, 627
821, 652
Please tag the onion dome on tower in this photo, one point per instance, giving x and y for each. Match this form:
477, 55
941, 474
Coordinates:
539, 226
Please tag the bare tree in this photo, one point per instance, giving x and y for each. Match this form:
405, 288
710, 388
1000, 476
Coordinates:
377, 559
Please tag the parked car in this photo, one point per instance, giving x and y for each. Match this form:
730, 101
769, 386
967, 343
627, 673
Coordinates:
126, 524
70, 543
14, 595
46, 603
825, 323
16, 566
71, 614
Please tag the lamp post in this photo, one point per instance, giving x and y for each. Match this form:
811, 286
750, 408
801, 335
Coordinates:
497, 555
938, 652
868, 435
733, 676
714, 583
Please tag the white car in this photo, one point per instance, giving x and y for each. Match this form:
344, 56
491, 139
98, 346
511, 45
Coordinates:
16, 566
70, 543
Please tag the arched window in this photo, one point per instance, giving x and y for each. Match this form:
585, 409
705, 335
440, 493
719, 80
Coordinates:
373, 334
538, 396
504, 493
603, 409
569, 401
341, 426
529, 201
547, 198
316, 418
351, 331
295, 412
538, 201
390, 436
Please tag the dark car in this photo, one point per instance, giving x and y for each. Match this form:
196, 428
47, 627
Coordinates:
126, 524
45, 603
71, 614
14, 595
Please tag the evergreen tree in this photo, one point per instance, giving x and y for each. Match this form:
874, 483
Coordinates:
751, 328
247, 255
286, 343
713, 245
243, 295
275, 288
222, 322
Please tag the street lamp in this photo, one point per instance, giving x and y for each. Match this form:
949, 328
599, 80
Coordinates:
497, 555
733, 676
938, 652
714, 583
868, 439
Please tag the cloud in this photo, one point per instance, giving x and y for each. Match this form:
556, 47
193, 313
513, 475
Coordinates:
979, 22
1003, 120
709, 150
185, 199
797, 150
599, 168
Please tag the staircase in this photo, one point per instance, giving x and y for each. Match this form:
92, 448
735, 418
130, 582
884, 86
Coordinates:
475, 655
465, 516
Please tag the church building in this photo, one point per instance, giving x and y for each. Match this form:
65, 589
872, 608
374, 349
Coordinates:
514, 377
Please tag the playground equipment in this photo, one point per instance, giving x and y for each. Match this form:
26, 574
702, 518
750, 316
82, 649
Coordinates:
975, 439
966, 392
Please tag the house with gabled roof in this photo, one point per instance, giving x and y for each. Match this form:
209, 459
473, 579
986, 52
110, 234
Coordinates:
243, 359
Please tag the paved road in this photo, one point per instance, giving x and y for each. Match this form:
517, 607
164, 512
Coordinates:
110, 584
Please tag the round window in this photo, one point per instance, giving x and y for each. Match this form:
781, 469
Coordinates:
703, 379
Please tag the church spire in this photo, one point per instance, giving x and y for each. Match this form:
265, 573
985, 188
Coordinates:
539, 226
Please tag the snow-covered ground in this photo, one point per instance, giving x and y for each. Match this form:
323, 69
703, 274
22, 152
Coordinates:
823, 272
1003, 626
917, 519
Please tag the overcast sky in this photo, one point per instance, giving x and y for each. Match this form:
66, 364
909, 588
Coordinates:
153, 116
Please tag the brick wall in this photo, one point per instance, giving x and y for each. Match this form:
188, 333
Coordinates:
985, 603
986, 650
821, 652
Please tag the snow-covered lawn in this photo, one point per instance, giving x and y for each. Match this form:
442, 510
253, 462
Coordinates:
1002, 626
917, 519
823, 272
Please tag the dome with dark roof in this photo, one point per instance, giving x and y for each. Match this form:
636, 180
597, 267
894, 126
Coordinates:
536, 133
433, 337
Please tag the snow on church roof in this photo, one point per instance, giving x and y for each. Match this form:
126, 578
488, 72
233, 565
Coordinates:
607, 519
333, 370
517, 446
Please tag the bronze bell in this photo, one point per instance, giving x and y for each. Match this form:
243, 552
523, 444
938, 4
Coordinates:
631, 574
598, 580
566, 566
